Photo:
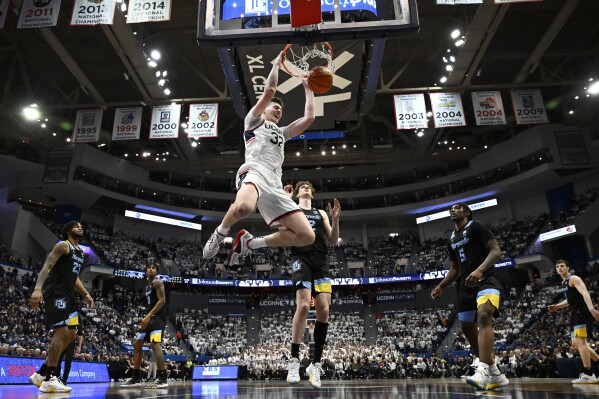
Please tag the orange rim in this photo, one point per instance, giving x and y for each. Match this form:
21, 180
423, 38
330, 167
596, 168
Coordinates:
284, 58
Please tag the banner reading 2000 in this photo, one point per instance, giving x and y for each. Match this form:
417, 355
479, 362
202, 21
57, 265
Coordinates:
165, 122
203, 120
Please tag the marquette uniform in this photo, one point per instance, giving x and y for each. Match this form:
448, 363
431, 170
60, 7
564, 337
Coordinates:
580, 318
310, 268
264, 155
155, 328
467, 246
59, 290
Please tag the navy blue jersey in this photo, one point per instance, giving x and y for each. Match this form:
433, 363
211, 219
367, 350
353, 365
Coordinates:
573, 296
320, 243
152, 298
467, 246
63, 275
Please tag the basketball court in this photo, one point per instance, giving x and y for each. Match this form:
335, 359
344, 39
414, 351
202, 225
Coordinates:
556, 388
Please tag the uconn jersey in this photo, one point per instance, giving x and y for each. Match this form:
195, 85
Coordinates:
265, 143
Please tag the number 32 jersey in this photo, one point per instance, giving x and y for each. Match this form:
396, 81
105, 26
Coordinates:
467, 246
265, 143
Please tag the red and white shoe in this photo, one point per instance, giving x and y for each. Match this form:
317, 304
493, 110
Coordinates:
240, 247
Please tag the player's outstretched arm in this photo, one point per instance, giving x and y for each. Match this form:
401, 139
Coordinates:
302, 124
558, 306
270, 89
332, 229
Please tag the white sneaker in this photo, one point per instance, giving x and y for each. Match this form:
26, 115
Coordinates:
213, 244
585, 379
480, 379
36, 379
497, 381
54, 386
240, 247
131, 383
314, 370
293, 376
156, 384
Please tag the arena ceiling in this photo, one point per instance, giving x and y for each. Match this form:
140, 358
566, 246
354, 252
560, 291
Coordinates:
552, 45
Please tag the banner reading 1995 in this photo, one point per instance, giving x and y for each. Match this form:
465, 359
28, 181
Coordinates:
410, 111
203, 120
447, 109
38, 14
148, 11
86, 12
87, 126
165, 122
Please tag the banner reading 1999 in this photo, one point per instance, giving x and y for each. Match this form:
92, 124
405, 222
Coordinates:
410, 111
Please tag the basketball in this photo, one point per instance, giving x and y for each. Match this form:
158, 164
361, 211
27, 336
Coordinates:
320, 80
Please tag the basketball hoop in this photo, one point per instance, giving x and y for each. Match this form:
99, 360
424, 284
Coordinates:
299, 60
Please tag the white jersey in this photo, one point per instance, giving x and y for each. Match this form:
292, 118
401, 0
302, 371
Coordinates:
265, 143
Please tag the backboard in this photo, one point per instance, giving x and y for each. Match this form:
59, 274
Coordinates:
226, 23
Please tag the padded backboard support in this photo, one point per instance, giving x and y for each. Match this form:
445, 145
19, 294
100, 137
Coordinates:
305, 12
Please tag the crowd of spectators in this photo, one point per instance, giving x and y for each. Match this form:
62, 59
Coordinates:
515, 236
580, 204
391, 253
432, 255
421, 331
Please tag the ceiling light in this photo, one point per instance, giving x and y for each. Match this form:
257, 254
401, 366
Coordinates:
594, 88
157, 74
450, 148
455, 34
571, 112
486, 147
452, 58
167, 92
123, 7
334, 152
126, 155
164, 73
324, 153
460, 43
54, 134
31, 113
43, 125
344, 146
576, 98
155, 54
194, 144
68, 139
449, 68
420, 134
152, 64
445, 60
297, 154
184, 125
161, 82
443, 79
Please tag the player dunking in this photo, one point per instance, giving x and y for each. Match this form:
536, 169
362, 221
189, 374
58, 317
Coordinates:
311, 278
259, 179
151, 330
473, 251
59, 279
583, 313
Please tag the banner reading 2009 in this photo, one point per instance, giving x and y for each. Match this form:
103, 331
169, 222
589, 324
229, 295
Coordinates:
529, 107
165, 122
447, 109
148, 11
203, 120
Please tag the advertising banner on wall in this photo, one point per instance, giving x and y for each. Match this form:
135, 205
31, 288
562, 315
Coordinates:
16, 370
86, 12
127, 123
529, 107
148, 11
215, 372
203, 120
488, 108
87, 126
410, 111
38, 14
447, 109
165, 121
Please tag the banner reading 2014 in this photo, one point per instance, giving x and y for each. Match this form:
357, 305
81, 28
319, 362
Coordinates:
488, 108
148, 11
410, 111
165, 122
38, 14
447, 109
86, 12
529, 107
87, 126
203, 119
127, 124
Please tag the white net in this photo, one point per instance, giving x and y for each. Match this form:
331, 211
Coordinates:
300, 59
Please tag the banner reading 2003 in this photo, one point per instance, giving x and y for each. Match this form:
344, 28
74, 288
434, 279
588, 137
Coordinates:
203, 120
447, 109
410, 111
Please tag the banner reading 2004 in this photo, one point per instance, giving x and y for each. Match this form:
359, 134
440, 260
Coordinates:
203, 120
447, 109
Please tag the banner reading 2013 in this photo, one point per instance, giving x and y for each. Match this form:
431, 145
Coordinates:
87, 126
87, 12
165, 122
447, 109
203, 120
38, 14
410, 111
148, 11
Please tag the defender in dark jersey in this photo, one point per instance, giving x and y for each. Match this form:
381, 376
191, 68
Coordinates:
59, 279
473, 251
69, 353
152, 330
311, 278
582, 317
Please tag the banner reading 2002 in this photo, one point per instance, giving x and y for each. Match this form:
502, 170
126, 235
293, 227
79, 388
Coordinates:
447, 109
203, 120
165, 122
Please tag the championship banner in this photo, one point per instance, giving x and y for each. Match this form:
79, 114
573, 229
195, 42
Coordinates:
165, 122
529, 107
3, 11
410, 111
127, 124
203, 120
38, 14
447, 109
488, 108
516, 1
338, 105
148, 11
87, 126
93, 12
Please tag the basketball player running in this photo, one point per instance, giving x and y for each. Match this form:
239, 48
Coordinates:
473, 251
311, 278
259, 178
59, 278
151, 330
583, 313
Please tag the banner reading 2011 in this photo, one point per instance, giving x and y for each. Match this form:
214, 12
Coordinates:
529, 107
38, 14
410, 111
165, 122
203, 120
87, 126
148, 11
86, 12
447, 109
